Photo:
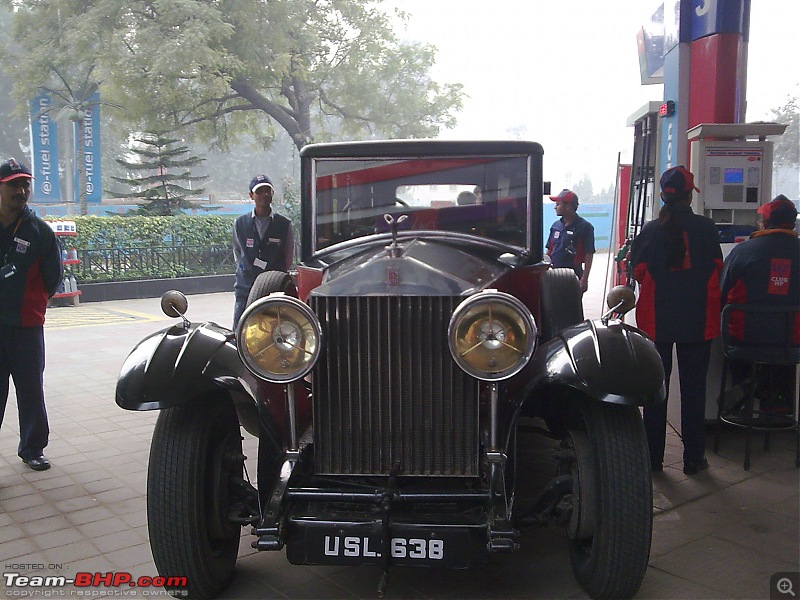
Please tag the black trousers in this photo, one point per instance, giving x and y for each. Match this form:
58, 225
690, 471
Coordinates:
22, 360
693, 359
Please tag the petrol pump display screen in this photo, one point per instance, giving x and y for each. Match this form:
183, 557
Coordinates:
732, 173
734, 176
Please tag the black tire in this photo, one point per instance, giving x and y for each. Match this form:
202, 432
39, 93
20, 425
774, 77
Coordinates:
196, 450
561, 302
611, 529
269, 282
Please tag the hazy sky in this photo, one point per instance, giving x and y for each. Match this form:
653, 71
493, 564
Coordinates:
566, 74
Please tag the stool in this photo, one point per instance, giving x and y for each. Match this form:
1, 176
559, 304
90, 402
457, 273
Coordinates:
772, 349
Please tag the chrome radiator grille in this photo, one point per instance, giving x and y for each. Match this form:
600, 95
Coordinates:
387, 392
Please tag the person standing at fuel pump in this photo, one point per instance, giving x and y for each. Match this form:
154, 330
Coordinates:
262, 241
677, 260
30, 272
571, 240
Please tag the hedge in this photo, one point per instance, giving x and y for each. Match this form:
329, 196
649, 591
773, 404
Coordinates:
95, 232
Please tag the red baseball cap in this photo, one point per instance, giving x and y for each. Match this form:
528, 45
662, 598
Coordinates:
566, 195
781, 211
678, 181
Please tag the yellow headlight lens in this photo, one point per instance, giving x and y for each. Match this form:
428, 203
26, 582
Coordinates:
492, 335
278, 338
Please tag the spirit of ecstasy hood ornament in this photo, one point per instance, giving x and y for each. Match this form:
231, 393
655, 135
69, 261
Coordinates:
394, 249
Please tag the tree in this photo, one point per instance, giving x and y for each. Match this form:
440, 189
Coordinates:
13, 122
583, 189
162, 163
313, 68
786, 151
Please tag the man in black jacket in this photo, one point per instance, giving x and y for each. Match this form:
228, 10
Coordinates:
262, 241
30, 272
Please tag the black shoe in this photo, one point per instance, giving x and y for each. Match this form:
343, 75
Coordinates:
656, 466
691, 467
40, 463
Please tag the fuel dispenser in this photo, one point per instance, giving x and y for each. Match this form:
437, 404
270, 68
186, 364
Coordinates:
732, 165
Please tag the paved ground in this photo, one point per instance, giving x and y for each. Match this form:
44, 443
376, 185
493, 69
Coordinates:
722, 534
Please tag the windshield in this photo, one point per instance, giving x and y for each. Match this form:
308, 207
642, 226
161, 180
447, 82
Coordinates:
483, 196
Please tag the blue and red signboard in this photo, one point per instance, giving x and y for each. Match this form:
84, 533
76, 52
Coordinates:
705, 51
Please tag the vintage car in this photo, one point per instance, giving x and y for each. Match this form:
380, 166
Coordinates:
388, 379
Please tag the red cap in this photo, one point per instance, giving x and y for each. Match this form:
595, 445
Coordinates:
566, 195
781, 211
677, 181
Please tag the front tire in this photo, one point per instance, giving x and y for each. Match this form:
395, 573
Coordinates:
196, 450
271, 281
612, 523
561, 301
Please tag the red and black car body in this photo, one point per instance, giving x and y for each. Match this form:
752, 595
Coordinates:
388, 378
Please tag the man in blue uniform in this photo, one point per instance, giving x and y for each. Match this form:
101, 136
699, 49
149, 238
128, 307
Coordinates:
571, 241
262, 241
30, 272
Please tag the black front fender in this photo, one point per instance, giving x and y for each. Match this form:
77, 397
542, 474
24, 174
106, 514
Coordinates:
173, 365
612, 362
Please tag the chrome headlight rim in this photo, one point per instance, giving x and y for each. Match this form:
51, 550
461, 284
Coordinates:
276, 299
487, 297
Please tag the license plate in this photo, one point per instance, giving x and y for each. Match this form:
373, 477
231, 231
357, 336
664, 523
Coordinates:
400, 548
351, 543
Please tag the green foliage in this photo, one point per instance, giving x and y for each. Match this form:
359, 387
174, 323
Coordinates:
141, 231
161, 164
317, 69
125, 248
786, 151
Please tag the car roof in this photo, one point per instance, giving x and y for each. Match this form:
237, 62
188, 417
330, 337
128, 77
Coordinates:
424, 147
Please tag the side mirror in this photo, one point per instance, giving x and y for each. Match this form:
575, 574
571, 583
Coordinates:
620, 300
174, 303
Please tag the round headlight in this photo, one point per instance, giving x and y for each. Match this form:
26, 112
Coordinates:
491, 335
278, 338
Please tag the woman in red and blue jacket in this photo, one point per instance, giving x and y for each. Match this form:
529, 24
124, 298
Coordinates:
676, 260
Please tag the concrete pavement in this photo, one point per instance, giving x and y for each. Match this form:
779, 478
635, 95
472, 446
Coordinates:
721, 534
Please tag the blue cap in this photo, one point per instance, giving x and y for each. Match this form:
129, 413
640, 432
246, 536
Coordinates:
259, 181
11, 169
